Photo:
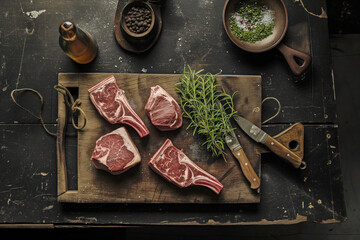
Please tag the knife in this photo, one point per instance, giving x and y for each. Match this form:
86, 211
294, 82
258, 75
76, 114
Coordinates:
233, 143
262, 137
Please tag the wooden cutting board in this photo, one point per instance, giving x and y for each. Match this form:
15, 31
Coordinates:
140, 184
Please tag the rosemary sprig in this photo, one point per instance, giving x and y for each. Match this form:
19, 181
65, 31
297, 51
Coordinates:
199, 97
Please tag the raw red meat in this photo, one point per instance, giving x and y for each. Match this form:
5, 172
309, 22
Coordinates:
163, 110
176, 167
115, 152
112, 104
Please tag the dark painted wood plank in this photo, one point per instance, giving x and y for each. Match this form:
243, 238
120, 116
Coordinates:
288, 195
192, 35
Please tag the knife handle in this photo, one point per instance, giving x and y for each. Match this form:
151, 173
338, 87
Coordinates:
283, 151
247, 169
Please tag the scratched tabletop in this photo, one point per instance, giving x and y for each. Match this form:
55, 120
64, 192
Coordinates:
192, 35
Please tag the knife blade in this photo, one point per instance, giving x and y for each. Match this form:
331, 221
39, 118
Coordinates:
260, 136
234, 145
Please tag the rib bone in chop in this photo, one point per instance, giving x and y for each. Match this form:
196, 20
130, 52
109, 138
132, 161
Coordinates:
115, 152
163, 110
176, 167
112, 104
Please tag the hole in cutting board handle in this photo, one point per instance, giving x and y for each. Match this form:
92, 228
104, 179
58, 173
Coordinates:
75, 93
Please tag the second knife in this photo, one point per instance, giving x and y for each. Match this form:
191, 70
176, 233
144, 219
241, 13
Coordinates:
262, 137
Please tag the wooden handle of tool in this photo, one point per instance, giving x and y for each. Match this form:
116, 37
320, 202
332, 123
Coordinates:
290, 55
283, 152
247, 169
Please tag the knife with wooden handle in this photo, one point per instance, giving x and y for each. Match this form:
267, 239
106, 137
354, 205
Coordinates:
233, 143
260, 136
282, 151
237, 150
247, 169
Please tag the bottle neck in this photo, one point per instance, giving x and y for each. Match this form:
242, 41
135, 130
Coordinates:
67, 31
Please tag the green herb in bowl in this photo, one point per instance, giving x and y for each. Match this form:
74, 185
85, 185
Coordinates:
252, 21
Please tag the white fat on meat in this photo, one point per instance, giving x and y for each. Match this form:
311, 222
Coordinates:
112, 104
162, 109
176, 167
115, 152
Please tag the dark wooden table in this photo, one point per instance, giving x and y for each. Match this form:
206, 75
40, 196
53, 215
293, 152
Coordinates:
192, 35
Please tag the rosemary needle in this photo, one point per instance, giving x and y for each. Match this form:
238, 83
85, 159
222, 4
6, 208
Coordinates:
199, 95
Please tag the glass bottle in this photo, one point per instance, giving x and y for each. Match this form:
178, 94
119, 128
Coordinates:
78, 44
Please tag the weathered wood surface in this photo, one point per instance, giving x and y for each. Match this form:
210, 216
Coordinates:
28, 188
192, 35
141, 184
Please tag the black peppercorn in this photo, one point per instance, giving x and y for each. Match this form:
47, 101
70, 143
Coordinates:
138, 19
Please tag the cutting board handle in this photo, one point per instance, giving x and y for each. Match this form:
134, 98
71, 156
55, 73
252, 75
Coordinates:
62, 182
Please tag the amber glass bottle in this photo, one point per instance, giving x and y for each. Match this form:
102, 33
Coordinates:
78, 44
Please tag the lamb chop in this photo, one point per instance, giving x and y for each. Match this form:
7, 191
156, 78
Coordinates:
163, 110
115, 152
176, 167
113, 105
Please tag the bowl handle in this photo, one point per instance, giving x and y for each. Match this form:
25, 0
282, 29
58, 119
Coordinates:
290, 55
